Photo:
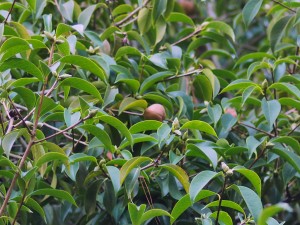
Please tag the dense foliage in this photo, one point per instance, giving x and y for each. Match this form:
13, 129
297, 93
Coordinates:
219, 143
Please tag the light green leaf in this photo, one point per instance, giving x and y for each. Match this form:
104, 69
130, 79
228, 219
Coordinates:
239, 84
50, 156
286, 87
54, 193
82, 85
127, 50
153, 213
199, 125
271, 109
132, 103
137, 138
130, 164
153, 79
144, 20
180, 17
159, 7
179, 173
118, 125
86, 64
22, 64
290, 157
145, 126
250, 10
199, 182
136, 213
101, 135
221, 26
224, 217
288, 141
32, 204
251, 199
85, 16
114, 174
272, 210
228, 204
121, 9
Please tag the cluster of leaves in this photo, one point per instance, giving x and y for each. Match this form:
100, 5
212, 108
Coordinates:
76, 77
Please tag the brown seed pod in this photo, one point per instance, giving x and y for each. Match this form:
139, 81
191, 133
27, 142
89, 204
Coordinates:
188, 6
155, 112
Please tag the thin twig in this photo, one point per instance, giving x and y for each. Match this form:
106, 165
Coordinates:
295, 65
64, 130
130, 15
292, 131
220, 201
257, 129
10, 10
183, 75
284, 6
257, 158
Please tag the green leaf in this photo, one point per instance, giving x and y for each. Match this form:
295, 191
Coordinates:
288, 141
153, 213
286, 87
13, 46
199, 125
144, 20
203, 88
272, 210
85, 16
101, 135
118, 125
79, 157
203, 150
251, 176
22, 82
86, 64
27, 95
185, 202
145, 126
82, 85
130, 164
63, 28
137, 138
180, 17
179, 173
136, 213
239, 84
221, 26
277, 31
224, 217
271, 109
114, 174
251, 199
153, 79
228, 204
199, 182
121, 9
50, 156
250, 10
127, 50
254, 56
132, 103
54, 193
159, 7
32, 204
290, 157
22, 64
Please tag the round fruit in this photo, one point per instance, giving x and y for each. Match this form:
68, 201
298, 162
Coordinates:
155, 112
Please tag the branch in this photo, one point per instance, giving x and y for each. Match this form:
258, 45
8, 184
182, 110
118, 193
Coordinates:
130, 15
293, 130
257, 129
220, 201
284, 6
183, 75
10, 10
64, 130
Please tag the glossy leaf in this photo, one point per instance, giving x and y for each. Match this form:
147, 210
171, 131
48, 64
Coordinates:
199, 125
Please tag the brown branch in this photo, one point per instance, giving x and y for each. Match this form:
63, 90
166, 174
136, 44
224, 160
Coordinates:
284, 6
10, 11
130, 15
257, 129
64, 130
183, 75
293, 130
220, 201
257, 158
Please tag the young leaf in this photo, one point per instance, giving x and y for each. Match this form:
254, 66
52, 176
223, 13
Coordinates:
199, 125
250, 10
272, 210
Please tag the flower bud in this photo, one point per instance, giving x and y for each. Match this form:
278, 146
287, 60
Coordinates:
224, 167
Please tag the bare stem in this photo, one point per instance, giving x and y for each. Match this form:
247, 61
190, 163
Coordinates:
255, 128
284, 6
130, 15
220, 201
10, 10
64, 130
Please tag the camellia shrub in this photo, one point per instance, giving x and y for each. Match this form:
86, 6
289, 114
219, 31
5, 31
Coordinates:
149, 112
